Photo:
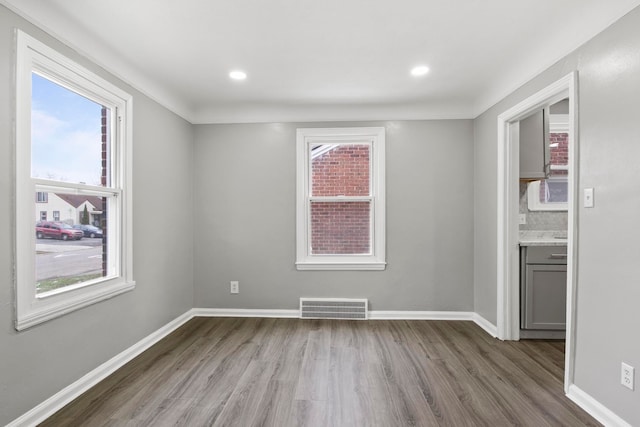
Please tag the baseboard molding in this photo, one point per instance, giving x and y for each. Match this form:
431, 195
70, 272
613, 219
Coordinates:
69, 393
594, 408
243, 312
373, 315
419, 315
488, 327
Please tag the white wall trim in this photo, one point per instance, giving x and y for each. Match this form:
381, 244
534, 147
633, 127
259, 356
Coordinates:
488, 327
419, 315
508, 172
69, 393
244, 312
508, 310
594, 408
373, 314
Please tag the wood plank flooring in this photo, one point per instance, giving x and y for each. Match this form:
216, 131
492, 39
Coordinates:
291, 372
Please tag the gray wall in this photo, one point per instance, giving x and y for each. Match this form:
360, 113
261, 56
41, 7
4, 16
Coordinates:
608, 251
245, 178
39, 362
441, 226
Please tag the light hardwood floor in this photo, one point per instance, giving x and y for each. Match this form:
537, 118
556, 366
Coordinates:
291, 372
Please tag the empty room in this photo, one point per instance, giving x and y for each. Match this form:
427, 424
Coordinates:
333, 213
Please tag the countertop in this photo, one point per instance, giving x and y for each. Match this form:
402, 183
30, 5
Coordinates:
543, 238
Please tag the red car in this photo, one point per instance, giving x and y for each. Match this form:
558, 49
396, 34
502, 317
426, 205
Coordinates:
57, 230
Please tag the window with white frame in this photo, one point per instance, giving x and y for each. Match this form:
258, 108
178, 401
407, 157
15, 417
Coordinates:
73, 139
42, 197
56, 215
552, 194
341, 199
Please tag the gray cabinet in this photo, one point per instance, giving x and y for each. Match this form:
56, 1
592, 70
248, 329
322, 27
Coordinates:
544, 288
534, 146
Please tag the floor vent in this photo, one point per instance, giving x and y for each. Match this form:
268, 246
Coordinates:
333, 308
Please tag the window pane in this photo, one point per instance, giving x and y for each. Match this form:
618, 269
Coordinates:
559, 148
340, 170
73, 249
554, 191
69, 135
340, 228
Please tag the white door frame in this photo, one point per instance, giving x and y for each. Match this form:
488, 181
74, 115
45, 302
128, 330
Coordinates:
508, 314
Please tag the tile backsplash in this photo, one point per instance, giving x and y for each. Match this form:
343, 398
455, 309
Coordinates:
540, 220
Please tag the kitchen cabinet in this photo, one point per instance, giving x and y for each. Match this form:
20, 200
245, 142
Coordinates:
543, 288
534, 146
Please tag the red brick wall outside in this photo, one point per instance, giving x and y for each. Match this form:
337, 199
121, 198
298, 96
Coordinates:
341, 227
560, 153
343, 171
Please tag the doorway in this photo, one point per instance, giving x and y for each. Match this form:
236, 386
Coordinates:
508, 273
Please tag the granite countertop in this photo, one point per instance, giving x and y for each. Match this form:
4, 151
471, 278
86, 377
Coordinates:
543, 238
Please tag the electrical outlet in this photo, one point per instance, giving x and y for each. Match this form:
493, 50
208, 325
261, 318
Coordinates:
522, 219
626, 376
234, 287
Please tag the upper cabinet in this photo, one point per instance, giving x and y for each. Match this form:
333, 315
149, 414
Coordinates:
534, 146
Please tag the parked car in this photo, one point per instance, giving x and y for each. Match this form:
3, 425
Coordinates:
89, 230
57, 230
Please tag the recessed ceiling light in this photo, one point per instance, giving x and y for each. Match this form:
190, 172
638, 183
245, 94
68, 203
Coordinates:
419, 70
238, 75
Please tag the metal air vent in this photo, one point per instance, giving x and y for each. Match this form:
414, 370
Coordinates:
333, 308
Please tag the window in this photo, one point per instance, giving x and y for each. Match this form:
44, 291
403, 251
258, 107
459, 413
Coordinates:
340, 208
552, 194
42, 197
548, 194
73, 132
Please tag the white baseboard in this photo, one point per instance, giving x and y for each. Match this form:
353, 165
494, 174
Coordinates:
594, 408
243, 312
488, 327
373, 315
69, 393
419, 315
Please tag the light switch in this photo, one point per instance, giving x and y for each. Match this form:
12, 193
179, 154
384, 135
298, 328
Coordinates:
588, 197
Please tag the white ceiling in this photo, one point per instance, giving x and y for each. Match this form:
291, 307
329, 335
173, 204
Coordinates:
311, 60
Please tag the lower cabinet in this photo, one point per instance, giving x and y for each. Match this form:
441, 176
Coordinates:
544, 289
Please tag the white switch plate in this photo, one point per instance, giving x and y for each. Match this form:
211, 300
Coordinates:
588, 197
626, 376
234, 287
522, 219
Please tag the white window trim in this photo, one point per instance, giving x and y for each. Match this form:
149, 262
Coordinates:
374, 261
32, 309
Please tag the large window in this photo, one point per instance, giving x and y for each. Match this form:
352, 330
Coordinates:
340, 212
73, 132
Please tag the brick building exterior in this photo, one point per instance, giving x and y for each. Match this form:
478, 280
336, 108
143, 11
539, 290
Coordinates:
340, 227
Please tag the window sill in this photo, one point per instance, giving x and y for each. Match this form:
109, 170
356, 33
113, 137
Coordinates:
341, 266
85, 297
